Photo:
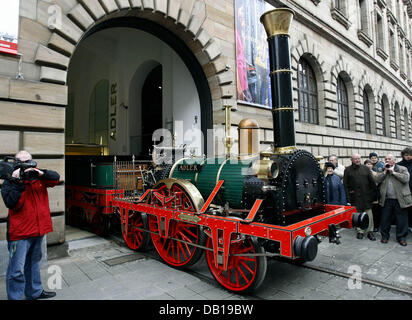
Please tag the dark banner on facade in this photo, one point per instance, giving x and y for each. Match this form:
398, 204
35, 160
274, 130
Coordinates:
9, 25
252, 53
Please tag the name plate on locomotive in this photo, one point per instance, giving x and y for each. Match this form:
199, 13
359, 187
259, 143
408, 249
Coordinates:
189, 167
189, 217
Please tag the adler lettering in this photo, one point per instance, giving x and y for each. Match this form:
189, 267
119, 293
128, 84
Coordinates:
113, 111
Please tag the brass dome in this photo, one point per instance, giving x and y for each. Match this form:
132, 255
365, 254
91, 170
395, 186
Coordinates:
248, 124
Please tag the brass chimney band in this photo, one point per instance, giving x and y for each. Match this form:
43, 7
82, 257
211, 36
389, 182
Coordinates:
280, 70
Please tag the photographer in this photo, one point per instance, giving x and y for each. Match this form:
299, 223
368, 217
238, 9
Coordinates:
395, 197
25, 194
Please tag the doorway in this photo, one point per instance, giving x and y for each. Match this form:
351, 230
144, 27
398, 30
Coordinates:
151, 107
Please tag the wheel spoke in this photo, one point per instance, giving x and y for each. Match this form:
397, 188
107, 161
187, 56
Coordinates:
242, 274
246, 266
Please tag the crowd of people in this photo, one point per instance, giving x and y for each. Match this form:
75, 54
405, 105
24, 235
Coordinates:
381, 189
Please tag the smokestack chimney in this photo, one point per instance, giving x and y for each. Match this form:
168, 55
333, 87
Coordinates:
277, 23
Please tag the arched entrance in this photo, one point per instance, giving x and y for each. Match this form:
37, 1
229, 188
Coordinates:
125, 50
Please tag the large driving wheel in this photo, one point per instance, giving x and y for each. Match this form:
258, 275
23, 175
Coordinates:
178, 249
133, 234
245, 272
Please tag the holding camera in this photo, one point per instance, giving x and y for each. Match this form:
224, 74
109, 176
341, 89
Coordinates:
395, 198
24, 193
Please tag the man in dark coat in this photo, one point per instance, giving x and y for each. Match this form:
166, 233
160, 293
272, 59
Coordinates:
359, 186
28, 221
407, 163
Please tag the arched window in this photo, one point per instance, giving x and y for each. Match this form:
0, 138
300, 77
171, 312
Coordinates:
397, 114
98, 114
384, 129
308, 93
386, 125
366, 112
343, 107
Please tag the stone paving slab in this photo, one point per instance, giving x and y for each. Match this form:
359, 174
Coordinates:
389, 263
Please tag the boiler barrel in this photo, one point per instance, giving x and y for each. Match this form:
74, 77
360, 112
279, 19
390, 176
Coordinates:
210, 171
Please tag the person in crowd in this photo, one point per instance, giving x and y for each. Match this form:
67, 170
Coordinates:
395, 197
373, 156
335, 192
376, 208
26, 197
339, 169
406, 162
359, 187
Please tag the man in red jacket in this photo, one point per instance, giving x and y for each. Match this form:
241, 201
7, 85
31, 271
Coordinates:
28, 221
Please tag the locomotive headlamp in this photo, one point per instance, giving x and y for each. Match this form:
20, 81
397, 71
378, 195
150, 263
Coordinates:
308, 231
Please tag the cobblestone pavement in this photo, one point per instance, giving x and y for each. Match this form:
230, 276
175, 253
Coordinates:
99, 269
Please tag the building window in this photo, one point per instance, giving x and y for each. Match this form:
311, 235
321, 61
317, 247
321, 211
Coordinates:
392, 48
363, 16
99, 114
380, 38
401, 60
397, 115
339, 13
343, 107
366, 112
384, 129
410, 137
405, 124
338, 4
308, 93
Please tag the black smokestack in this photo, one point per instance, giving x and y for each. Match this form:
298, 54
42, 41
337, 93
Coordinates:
277, 23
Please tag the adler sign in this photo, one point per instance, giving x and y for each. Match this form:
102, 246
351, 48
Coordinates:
9, 26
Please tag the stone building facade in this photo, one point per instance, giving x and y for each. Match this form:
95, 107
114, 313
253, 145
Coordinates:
364, 44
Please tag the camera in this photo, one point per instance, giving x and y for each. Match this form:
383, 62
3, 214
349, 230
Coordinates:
10, 164
387, 166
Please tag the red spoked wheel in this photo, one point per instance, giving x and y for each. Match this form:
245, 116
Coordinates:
244, 273
133, 234
177, 249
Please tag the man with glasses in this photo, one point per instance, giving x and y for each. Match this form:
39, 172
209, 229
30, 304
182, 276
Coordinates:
395, 197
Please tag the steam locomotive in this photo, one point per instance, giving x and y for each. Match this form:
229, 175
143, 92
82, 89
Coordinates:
241, 210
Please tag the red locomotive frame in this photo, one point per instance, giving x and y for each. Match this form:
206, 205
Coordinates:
234, 256
90, 206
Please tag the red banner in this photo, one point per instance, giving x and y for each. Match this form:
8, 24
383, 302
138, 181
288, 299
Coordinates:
9, 26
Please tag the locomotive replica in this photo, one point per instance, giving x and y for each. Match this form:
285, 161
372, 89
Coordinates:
240, 210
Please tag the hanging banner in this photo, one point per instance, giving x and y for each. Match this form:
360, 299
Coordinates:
252, 53
9, 25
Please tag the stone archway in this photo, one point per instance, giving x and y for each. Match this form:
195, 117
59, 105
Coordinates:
71, 20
